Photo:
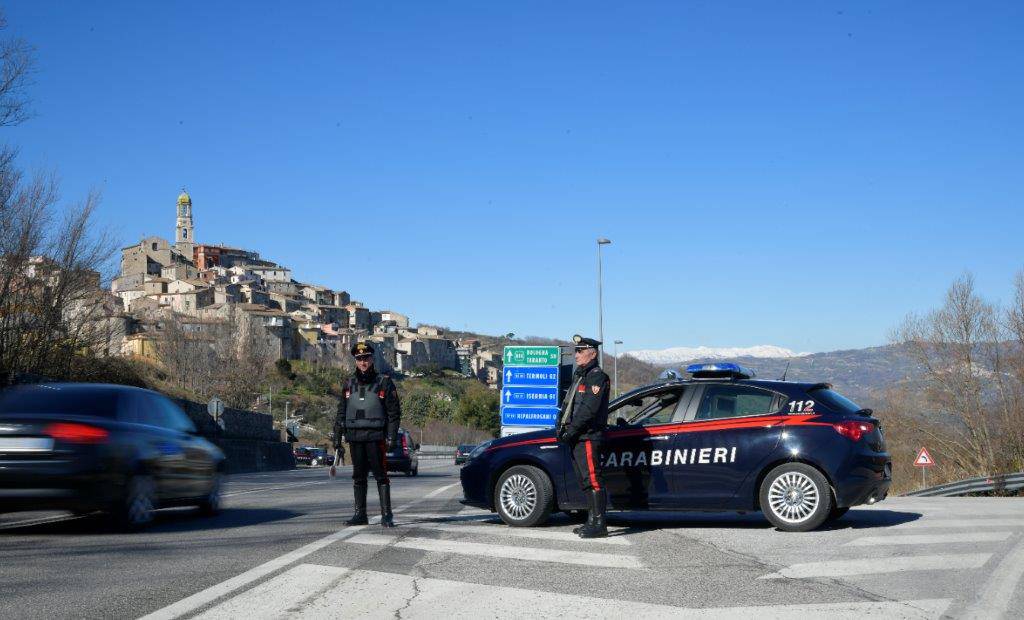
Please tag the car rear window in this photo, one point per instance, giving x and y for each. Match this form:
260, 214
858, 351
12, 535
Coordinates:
65, 401
834, 400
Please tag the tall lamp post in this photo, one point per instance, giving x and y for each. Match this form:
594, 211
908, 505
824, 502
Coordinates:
616, 373
600, 302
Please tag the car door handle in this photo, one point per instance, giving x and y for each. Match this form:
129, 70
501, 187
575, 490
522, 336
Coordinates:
657, 438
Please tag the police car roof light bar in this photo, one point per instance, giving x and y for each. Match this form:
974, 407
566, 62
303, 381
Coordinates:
720, 370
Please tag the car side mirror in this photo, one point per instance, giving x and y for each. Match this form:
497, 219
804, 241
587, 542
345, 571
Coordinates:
415, 446
620, 421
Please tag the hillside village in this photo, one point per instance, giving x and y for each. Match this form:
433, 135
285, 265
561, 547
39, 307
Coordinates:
201, 286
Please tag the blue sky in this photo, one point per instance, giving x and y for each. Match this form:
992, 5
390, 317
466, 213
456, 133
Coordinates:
769, 173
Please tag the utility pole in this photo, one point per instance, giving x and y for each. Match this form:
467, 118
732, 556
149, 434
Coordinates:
600, 301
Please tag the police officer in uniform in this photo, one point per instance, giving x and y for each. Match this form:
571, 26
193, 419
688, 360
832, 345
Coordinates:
583, 420
368, 417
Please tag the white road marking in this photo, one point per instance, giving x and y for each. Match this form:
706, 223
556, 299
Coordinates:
41, 521
874, 566
514, 532
319, 592
275, 598
929, 539
533, 554
278, 488
994, 601
204, 597
437, 492
967, 524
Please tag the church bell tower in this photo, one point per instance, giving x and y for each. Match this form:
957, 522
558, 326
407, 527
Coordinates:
183, 239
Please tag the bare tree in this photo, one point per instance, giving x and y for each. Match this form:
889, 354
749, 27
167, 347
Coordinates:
52, 258
969, 403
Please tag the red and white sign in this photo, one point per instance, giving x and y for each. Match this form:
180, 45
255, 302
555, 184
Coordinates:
924, 459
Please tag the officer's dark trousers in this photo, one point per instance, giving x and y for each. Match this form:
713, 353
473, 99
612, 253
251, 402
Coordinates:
586, 460
369, 456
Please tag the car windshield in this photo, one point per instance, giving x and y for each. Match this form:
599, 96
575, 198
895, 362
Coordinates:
70, 400
466, 447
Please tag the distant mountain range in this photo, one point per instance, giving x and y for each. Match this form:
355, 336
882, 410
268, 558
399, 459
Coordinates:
862, 375
676, 355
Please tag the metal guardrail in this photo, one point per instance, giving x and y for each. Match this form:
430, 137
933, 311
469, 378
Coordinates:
434, 454
1002, 482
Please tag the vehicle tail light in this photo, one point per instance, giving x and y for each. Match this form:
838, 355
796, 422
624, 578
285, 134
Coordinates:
853, 430
405, 444
76, 433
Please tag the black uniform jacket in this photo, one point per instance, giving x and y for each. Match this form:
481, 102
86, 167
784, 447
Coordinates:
391, 405
589, 405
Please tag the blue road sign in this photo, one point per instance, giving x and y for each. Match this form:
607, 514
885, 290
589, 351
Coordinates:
546, 376
530, 396
529, 416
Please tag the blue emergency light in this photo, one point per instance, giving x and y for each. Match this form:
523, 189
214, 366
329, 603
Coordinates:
719, 370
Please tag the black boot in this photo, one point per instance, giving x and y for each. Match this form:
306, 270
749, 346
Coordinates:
590, 519
597, 528
387, 518
360, 517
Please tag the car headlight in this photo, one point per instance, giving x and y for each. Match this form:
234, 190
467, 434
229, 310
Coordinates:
477, 451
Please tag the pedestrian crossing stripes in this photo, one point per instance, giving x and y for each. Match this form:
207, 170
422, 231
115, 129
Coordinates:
965, 524
929, 539
875, 566
514, 532
313, 591
579, 558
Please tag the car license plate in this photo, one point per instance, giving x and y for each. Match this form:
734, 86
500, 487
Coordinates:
26, 444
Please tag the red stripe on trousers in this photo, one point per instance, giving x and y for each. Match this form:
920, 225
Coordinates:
590, 467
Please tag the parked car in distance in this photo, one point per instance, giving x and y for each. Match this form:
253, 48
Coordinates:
303, 456
404, 455
462, 452
320, 457
86, 447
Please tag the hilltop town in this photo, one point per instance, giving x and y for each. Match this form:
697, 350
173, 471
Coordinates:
201, 286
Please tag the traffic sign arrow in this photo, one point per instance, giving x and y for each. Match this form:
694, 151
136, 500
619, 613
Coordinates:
924, 459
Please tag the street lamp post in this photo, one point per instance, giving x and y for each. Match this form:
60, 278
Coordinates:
600, 302
616, 373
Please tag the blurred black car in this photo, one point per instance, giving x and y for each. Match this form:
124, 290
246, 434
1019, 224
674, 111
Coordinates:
462, 453
404, 456
86, 447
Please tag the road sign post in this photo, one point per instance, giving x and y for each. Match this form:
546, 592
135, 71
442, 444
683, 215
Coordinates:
529, 390
924, 460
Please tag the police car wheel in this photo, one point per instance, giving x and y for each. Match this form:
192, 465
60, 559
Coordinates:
524, 496
795, 497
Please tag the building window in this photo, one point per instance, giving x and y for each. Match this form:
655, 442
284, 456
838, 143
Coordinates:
184, 234
154, 246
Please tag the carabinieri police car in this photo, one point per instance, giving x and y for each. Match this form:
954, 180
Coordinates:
721, 441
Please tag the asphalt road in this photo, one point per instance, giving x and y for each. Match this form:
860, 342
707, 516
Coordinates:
280, 549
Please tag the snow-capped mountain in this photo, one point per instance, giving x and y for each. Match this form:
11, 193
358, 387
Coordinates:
675, 355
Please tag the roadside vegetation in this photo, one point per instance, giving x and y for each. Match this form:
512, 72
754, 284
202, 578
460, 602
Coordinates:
969, 407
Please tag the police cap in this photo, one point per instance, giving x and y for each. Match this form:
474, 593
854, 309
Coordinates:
362, 348
585, 343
